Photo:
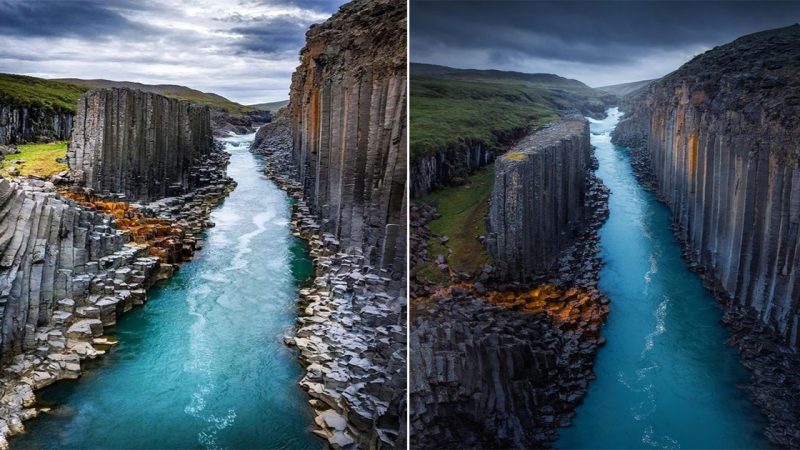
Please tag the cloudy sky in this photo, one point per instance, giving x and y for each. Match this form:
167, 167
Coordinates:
599, 43
245, 50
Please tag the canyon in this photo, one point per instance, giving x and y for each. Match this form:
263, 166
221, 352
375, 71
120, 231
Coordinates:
338, 148
73, 261
716, 140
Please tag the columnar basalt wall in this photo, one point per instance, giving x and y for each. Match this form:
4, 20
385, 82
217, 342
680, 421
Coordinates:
348, 118
19, 124
723, 137
51, 249
537, 202
139, 144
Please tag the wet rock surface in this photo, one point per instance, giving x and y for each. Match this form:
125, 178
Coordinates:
498, 364
716, 141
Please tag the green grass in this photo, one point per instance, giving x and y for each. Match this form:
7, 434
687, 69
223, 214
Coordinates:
38, 92
463, 210
39, 159
454, 108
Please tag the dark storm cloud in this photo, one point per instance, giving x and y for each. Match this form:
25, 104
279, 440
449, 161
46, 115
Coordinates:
271, 36
53, 18
579, 35
243, 49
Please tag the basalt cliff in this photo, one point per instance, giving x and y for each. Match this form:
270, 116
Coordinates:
501, 360
72, 262
339, 148
142, 145
537, 204
717, 140
24, 123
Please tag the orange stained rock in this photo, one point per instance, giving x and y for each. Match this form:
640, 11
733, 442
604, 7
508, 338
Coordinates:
574, 307
163, 238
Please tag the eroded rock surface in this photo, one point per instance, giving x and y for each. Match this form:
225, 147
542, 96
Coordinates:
717, 140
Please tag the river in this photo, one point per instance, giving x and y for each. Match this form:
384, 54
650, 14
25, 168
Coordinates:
665, 378
202, 364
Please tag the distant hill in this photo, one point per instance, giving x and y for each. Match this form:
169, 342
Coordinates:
451, 108
621, 90
167, 90
38, 92
271, 107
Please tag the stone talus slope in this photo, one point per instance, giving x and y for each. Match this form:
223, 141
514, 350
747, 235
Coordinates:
143, 145
30, 124
719, 141
536, 208
348, 116
722, 134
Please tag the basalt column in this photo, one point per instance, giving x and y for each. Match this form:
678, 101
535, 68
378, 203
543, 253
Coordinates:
348, 117
537, 205
722, 134
139, 144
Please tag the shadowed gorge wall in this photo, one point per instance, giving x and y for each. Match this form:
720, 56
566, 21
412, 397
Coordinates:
537, 202
348, 119
30, 124
143, 145
722, 134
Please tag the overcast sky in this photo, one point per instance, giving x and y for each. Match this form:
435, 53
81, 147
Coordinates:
245, 50
599, 43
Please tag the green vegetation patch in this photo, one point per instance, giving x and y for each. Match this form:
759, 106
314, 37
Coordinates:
38, 159
515, 156
463, 211
39, 93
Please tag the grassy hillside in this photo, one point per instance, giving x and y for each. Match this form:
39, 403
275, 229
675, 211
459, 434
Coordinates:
624, 89
38, 92
271, 107
167, 90
454, 107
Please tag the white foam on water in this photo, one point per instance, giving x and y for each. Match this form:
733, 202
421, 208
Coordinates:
260, 220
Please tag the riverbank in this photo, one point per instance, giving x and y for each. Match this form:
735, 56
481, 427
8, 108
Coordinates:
150, 241
774, 384
665, 378
498, 363
351, 330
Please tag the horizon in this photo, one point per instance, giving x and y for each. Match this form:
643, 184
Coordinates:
245, 52
599, 43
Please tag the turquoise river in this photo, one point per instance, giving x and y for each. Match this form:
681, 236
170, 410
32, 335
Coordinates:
665, 378
202, 364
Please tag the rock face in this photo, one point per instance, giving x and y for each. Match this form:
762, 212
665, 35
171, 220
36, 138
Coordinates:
348, 118
51, 250
20, 124
720, 140
139, 144
722, 134
537, 202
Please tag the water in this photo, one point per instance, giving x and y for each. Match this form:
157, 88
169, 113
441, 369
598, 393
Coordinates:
665, 379
202, 364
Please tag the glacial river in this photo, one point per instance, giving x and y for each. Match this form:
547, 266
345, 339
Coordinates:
202, 364
665, 378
